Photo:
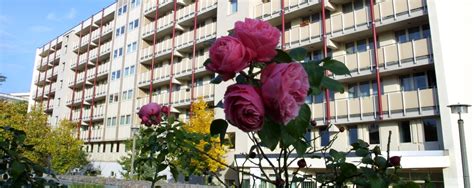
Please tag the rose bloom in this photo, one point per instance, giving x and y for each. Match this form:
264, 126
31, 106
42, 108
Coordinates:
243, 107
395, 161
150, 114
228, 57
284, 89
259, 36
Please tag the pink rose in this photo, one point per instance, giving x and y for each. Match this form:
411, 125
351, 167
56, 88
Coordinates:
284, 89
150, 114
228, 57
243, 107
259, 36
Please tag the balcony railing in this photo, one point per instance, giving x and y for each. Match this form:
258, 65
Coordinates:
273, 8
393, 54
394, 104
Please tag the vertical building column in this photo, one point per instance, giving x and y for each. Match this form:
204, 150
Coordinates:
325, 54
155, 32
173, 35
45, 74
376, 61
75, 72
52, 71
95, 78
194, 56
38, 79
85, 75
282, 12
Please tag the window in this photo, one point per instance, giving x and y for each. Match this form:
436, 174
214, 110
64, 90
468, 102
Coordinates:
134, 3
233, 6
406, 83
350, 49
124, 95
117, 74
111, 147
315, 17
112, 77
324, 135
130, 94
353, 91
132, 69
119, 12
420, 81
361, 45
199, 82
122, 120
374, 137
98, 148
109, 122
405, 131
414, 33
353, 134
347, 8
126, 71
430, 130
364, 89
118, 147
375, 89
401, 36
128, 120
358, 4
322, 96
114, 121
426, 31
124, 9
309, 99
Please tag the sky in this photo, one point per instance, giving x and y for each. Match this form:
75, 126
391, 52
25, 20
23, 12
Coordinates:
26, 25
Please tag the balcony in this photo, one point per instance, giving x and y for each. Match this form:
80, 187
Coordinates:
102, 72
181, 98
43, 64
106, 34
52, 74
164, 27
104, 54
162, 52
100, 93
398, 104
206, 9
41, 80
208, 32
271, 10
183, 69
149, 7
391, 57
98, 114
52, 90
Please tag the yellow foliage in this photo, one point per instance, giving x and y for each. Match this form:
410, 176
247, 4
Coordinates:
200, 122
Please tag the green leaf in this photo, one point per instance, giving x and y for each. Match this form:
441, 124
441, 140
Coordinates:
361, 152
298, 54
332, 84
299, 126
219, 126
377, 182
348, 169
380, 162
335, 66
17, 169
338, 157
367, 160
300, 147
282, 57
314, 91
208, 60
315, 75
270, 134
216, 80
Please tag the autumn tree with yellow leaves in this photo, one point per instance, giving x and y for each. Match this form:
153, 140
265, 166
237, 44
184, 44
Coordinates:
200, 123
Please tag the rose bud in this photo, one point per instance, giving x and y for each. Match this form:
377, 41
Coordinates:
252, 155
341, 129
313, 123
395, 161
376, 150
301, 163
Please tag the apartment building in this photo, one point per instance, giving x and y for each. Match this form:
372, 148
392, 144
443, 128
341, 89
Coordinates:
133, 51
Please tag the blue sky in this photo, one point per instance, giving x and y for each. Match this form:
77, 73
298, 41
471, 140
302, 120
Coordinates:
27, 24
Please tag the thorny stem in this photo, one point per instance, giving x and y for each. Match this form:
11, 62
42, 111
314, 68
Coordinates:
259, 157
388, 149
263, 154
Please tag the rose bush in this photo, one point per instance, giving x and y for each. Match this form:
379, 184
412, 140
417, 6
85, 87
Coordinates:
260, 37
243, 107
228, 57
284, 89
150, 114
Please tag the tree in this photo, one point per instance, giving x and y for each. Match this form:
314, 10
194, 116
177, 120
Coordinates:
53, 148
200, 123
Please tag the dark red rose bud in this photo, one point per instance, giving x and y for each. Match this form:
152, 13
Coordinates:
279, 182
341, 129
252, 155
301, 163
395, 161
314, 123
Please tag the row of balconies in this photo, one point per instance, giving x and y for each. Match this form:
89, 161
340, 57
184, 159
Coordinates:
273, 8
102, 70
150, 6
99, 112
105, 30
181, 97
100, 92
393, 54
51, 74
182, 41
105, 49
180, 69
96, 133
181, 15
394, 104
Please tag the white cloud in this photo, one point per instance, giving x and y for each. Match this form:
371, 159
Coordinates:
40, 29
71, 14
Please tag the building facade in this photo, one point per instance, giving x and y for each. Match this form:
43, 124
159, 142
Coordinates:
101, 71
